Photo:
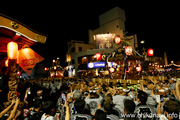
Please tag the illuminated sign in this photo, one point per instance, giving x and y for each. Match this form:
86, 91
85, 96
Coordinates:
104, 41
100, 64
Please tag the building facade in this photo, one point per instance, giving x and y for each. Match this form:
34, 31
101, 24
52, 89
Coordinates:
102, 40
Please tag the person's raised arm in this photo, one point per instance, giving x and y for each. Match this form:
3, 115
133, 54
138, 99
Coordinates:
14, 109
67, 117
142, 85
159, 108
177, 90
26, 96
7, 109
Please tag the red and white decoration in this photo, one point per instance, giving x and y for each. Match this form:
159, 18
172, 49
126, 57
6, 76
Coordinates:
138, 68
98, 56
128, 50
118, 40
111, 69
150, 52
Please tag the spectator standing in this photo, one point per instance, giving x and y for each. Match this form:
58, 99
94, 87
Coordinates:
49, 110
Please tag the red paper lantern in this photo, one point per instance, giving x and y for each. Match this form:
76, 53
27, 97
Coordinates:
128, 50
150, 52
12, 49
98, 56
118, 40
46, 69
19, 73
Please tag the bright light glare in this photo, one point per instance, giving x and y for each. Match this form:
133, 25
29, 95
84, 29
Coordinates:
142, 42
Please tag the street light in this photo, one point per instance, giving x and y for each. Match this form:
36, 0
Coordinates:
142, 42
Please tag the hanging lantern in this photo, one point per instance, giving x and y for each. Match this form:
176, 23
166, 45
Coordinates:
111, 69
27, 59
12, 49
68, 57
19, 73
150, 52
98, 56
46, 69
138, 68
6, 63
128, 50
118, 40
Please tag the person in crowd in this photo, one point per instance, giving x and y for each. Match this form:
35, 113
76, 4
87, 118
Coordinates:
172, 84
93, 99
108, 109
151, 100
85, 99
114, 110
142, 109
35, 111
171, 110
67, 116
79, 106
52, 87
8, 108
100, 115
48, 110
178, 89
129, 108
119, 98
13, 112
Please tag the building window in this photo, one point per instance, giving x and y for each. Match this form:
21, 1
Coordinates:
72, 49
84, 60
80, 48
73, 61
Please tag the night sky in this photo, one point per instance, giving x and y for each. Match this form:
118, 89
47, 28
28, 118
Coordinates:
155, 23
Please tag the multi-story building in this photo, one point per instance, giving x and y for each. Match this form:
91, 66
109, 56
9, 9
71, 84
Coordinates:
102, 39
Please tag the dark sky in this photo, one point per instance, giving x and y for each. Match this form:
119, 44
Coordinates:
156, 23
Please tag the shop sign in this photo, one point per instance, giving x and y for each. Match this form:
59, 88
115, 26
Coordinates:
99, 64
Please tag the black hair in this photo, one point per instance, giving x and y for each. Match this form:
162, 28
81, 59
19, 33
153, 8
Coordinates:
109, 96
79, 105
142, 96
172, 107
37, 103
48, 106
129, 106
100, 115
36, 116
108, 106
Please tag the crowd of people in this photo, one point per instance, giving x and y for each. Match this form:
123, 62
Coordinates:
82, 99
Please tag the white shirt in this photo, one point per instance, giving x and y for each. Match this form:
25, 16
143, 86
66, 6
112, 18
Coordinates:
162, 117
44, 117
118, 100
